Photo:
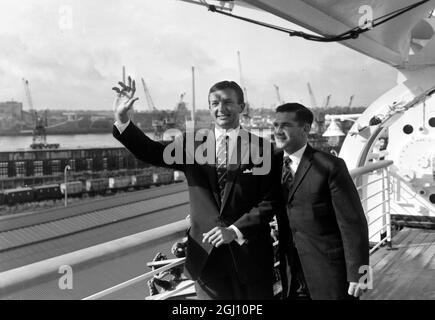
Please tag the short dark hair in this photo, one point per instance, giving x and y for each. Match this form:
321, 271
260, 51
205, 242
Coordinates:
228, 85
303, 114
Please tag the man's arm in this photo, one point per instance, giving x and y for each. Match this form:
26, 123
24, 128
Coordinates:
122, 126
351, 220
144, 148
130, 136
270, 192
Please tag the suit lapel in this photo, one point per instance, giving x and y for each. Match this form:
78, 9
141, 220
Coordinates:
303, 167
242, 145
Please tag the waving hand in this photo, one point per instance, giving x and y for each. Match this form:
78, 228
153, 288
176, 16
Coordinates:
124, 100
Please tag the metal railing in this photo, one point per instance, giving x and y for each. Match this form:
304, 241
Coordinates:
143, 277
373, 183
48, 269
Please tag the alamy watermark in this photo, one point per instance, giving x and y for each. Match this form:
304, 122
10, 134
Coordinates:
366, 20
66, 280
66, 18
200, 147
366, 281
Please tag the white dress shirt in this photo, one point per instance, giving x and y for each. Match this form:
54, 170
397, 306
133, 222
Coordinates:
219, 135
232, 134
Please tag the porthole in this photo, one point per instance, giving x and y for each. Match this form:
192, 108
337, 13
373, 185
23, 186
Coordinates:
432, 198
432, 122
408, 129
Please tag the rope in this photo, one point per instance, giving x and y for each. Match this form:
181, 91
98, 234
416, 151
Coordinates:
351, 34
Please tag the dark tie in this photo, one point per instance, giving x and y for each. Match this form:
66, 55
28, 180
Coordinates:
221, 164
287, 176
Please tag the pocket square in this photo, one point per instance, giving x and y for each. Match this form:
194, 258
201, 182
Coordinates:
247, 171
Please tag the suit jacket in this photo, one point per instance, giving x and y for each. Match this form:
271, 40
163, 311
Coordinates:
323, 218
247, 202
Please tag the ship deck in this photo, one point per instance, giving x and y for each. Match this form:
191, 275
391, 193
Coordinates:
406, 272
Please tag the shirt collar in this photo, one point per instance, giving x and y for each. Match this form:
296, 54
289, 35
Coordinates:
297, 155
231, 133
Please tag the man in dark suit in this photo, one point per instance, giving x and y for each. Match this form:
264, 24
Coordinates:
322, 227
229, 249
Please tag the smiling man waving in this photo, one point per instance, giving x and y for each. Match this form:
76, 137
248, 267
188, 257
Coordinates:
229, 250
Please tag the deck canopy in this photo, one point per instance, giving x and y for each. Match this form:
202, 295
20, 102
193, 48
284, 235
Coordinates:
400, 42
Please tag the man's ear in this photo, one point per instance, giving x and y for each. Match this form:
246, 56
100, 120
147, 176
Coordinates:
242, 107
307, 128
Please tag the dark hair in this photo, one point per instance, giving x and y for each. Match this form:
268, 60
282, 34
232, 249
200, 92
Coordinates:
228, 85
303, 114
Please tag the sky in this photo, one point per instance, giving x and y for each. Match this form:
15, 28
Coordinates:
72, 53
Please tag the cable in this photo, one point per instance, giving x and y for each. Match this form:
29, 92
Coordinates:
350, 34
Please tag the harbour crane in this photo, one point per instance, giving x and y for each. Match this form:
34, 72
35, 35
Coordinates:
148, 96
313, 99
246, 111
327, 102
181, 105
350, 101
159, 125
28, 95
40, 123
278, 95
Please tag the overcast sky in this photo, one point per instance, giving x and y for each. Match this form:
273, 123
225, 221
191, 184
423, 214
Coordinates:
159, 40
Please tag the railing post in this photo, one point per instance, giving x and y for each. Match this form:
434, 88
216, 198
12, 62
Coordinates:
65, 171
388, 211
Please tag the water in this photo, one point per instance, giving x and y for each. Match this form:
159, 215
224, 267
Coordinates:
14, 143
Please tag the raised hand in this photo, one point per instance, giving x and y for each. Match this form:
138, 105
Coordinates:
124, 100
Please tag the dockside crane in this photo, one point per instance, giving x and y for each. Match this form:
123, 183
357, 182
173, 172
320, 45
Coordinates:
158, 125
313, 99
350, 101
246, 111
327, 102
278, 95
28, 95
148, 96
40, 123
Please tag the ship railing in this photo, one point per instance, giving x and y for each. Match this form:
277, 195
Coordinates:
373, 183
43, 271
14, 280
168, 264
172, 264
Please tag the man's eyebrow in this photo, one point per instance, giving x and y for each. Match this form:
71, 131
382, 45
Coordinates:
282, 123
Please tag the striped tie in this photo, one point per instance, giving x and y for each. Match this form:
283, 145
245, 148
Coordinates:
221, 164
287, 176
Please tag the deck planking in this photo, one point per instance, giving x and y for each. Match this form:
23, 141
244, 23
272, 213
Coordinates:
408, 271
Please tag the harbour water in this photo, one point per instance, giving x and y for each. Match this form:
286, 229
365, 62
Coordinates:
14, 143
17, 143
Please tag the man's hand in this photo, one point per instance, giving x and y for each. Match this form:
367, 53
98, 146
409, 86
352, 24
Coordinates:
219, 235
124, 100
356, 289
